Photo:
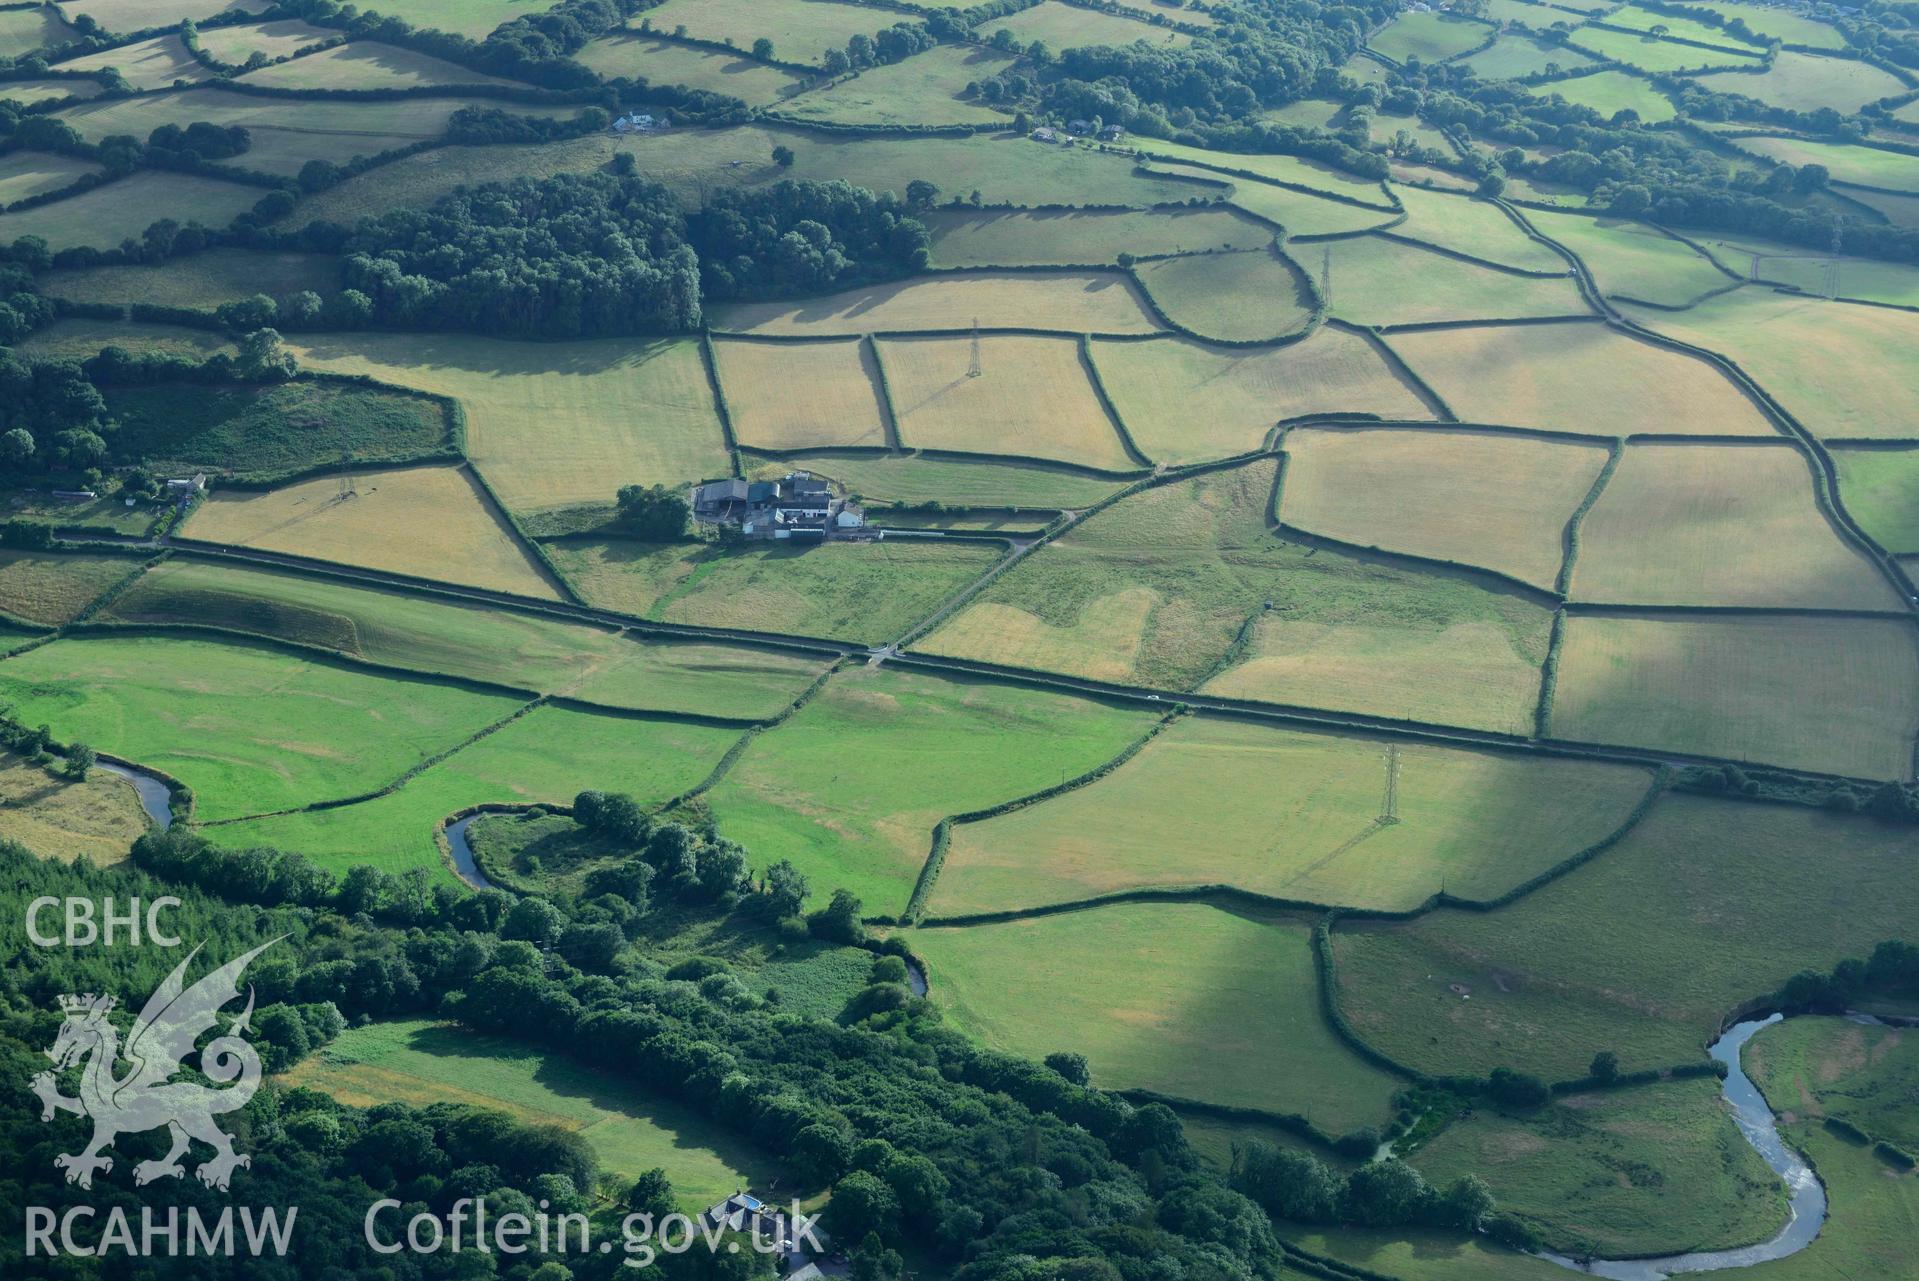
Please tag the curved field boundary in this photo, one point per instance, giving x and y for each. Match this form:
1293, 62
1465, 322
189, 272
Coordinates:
1427, 326
942, 455
1291, 1122
1552, 599
1531, 273
1131, 446
1549, 676
1569, 538
723, 766
1394, 205
530, 545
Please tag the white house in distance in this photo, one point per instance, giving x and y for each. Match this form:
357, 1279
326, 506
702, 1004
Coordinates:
799, 505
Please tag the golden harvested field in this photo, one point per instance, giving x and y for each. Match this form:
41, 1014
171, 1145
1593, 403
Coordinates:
147, 64
1498, 501
1577, 378
813, 395
202, 280
234, 45
365, 64
631, 53
98, 820
1369, 276
1720, 525
1841, 369
109, 214
1186, 401
432, 522
1032, 398
554, 424
1838, 695
34, 173
1215, 801
1070, 301
1468, 226
1301, 214
924, 89
49, 588
138, 15
1234, 297
1042, 237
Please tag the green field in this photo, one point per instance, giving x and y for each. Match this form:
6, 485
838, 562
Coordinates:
1643, 951
1369, 275
1875, 1213
1191, 1000
97, 820
1305, 817
631, 53
203, 280
49, 588
1836, 695
1232, 297
1583, 378
22, 31
367, 64
1633, 259
235, 45
800, 29
78, 339
1881, 489
29, 92
1720, 525
446, 638
122, 209
1789, 25
421, 1062
1842, 370
25, 174
1075, 237
928, 747
159, 63
1499, 501
1275, 168
1869, 166
1063, 26
1300, 213
1429, 37
549, 755
1866, 279
273, 429
138, 15
1185, 401
1610, 92
1818, 1068
1677, 28
927, 89
1415, 1254
1477, 228
250, 730
1654, 1170
473, 19
1513, 56
1803, 82
1656, 56
554, 424
869, 593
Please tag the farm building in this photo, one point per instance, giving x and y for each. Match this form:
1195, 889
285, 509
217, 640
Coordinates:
799, 505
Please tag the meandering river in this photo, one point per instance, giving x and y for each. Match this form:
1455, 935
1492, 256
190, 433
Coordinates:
155, 797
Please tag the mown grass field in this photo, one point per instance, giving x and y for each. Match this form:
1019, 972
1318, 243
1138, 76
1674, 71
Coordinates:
910, 480
801, 30
1183, 998
1804, 82
555, 424
814, 395
474, 19
1871, 166
97, 820
1653, 1170
158, 63
1297, 816
24, 174
548, 755
1633, 259
1369, 276
367, 64
1429, 37
1156, 589
925, 89
1077, 237
234, 45
871, 593
1789, 25
1235, 297
1185, 401
1032, 398
106, 215
1867, 279
631, 53
1720, 525
1074, 302
22, 31
1841, 370
1063, 26
431, 522
273, 429
1498, 501
1651, 54
1578, 378
851, 786
446, 638
138, 15
1837, 695
1513, 56
1475, 227
249, 729
202, 280
1881, 490
420, 1062
1300, 213
1677, 28
1277, 168
49, 588
31, 91
1816, 1068
1642, 951
78, 339
1610, 92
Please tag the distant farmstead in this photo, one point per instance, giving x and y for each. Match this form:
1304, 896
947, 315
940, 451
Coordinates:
636, 123
799, 505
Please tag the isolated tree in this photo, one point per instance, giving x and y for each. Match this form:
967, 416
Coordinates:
1605, 1067
783, 156
921, 194
763, 49
80, 759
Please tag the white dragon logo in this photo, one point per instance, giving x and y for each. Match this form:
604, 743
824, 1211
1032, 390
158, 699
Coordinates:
147, 1097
